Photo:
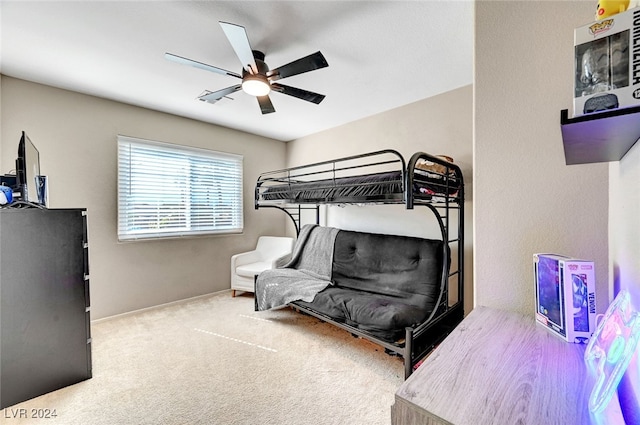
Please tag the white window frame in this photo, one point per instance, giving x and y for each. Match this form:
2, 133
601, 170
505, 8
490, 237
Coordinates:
165, 191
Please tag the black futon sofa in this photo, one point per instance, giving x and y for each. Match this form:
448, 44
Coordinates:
378, 284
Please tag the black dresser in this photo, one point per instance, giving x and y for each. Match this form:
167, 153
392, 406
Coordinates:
45, 330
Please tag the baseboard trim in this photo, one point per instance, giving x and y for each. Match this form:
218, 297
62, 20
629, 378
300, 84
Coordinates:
159, 306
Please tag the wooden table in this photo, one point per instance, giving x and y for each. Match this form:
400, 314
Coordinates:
499, 367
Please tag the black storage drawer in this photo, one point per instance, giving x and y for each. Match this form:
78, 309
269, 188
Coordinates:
44, 302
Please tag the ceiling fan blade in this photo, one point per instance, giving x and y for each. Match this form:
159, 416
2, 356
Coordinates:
200, 65
309, 96
213, 97
240, 42
305, 64
265, 104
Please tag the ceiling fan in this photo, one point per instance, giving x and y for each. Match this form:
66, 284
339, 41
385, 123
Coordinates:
257, 79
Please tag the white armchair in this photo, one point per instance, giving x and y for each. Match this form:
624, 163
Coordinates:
270, 252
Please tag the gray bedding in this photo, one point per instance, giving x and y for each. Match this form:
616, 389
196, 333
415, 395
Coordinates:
308, 272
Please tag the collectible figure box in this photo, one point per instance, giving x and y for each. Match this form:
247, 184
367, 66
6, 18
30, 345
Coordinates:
565, 296
607, 63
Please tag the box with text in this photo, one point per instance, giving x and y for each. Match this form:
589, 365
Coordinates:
565, 296
607, 63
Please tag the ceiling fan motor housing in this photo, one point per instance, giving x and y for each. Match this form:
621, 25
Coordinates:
262, 67
256, 84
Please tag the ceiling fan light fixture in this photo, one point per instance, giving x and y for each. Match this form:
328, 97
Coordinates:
256, 85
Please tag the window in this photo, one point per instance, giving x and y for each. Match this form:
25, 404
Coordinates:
169, 190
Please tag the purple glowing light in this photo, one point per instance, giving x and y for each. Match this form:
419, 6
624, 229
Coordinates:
611, 349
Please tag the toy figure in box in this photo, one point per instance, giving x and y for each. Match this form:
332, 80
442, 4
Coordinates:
607, 74
605, 64
607, 8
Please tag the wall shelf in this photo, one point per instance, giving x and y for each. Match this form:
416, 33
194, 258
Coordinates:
600, 136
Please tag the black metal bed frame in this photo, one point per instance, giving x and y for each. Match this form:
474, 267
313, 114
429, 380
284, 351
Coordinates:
419, 340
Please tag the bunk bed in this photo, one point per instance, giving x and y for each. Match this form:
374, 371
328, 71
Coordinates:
384, 178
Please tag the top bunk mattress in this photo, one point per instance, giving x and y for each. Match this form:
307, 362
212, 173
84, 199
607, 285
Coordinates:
373, 177
369, 187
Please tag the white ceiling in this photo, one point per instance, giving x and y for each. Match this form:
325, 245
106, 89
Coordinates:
381, 55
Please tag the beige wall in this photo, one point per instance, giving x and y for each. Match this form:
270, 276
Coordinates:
624, 225
438, 125
624, 230
526, 199
76, 137
1, 76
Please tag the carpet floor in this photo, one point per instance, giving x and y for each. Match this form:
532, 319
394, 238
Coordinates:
214, 360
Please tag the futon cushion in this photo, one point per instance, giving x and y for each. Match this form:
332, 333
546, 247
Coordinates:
399, 266
381, 283
382, 316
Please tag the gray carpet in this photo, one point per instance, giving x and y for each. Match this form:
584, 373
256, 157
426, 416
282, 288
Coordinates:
213, 360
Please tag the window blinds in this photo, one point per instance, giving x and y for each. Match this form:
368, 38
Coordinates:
167, 190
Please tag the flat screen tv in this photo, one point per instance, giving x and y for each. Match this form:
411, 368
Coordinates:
28, 178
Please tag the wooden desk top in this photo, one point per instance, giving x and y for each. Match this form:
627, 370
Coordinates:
499, 367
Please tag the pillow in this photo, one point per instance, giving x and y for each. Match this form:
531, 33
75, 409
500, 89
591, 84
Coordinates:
423, 164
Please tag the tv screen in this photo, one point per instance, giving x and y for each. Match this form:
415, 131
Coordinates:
28, 171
